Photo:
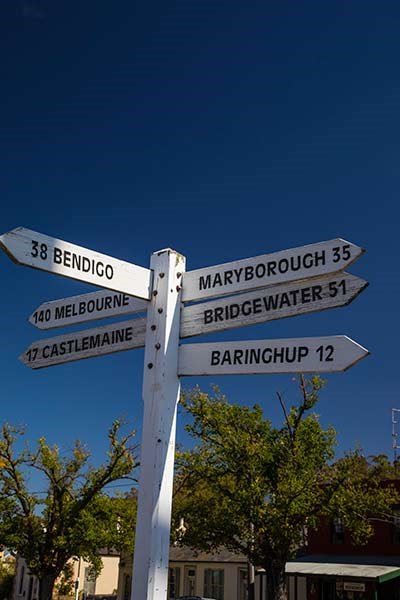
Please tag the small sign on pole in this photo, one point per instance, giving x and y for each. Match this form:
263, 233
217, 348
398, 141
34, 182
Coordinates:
27, 247
85, 344
268, 304
269, 269
84, 308
301, 355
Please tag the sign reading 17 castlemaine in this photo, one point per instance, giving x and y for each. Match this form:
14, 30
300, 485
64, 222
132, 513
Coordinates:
33, 249
260, 271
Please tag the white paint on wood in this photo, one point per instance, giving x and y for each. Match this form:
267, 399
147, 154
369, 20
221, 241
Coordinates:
301, 355
85, 344
278, 302
161, 389
269, 269
39, 251
84, 308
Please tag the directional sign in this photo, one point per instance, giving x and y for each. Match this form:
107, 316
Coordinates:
278, 302
301, 355
85, 307
85, 344
33, 249
260, 271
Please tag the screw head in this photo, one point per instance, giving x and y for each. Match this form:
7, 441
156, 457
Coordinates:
150, 365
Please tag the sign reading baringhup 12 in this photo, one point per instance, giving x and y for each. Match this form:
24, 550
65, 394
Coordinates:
302, 355
255, 290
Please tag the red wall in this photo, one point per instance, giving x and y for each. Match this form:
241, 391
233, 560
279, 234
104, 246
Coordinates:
380, 543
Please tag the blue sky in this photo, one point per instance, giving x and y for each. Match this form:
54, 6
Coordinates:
224, 130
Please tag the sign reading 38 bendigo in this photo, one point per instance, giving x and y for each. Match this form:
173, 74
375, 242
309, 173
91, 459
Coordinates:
33, 249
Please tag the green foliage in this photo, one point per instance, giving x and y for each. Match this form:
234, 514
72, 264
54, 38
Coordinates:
256, 488
65, 582
75, 517
7, 572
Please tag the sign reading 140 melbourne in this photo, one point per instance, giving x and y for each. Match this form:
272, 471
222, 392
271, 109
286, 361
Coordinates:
254, 290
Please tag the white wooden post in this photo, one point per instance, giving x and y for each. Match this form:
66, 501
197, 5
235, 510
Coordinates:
161, 389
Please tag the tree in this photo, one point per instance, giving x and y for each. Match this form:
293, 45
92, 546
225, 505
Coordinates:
75, 517
7, 572
256, 489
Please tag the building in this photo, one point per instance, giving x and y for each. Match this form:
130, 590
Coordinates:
337, 569
222, 575
26, 585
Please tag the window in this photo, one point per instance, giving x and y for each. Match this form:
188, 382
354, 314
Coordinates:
190, 581
337, 533
242, 584
214, 583
89, 582
173, 583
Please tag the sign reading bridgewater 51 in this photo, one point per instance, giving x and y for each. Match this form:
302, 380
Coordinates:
267, 304
33, 249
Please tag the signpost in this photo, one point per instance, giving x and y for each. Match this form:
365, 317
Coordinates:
85, 307
85, 344
27, 247
286, 283
301, 355
278, 302
269, 269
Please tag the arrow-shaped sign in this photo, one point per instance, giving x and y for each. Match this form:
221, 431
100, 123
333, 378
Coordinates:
301, 355
269, 269
85, 307
85, 344
277, 302
39, 251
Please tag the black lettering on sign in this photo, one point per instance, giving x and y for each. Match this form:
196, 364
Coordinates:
32, 354
325, 353
38, 250
341, 253
215, 357
334, 288
205, 282
40, 316
57, 256
60, 312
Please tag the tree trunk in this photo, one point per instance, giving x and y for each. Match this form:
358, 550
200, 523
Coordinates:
46, 586
276, 580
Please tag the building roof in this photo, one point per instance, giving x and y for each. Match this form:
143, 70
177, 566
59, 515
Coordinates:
380, 568
185, 554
